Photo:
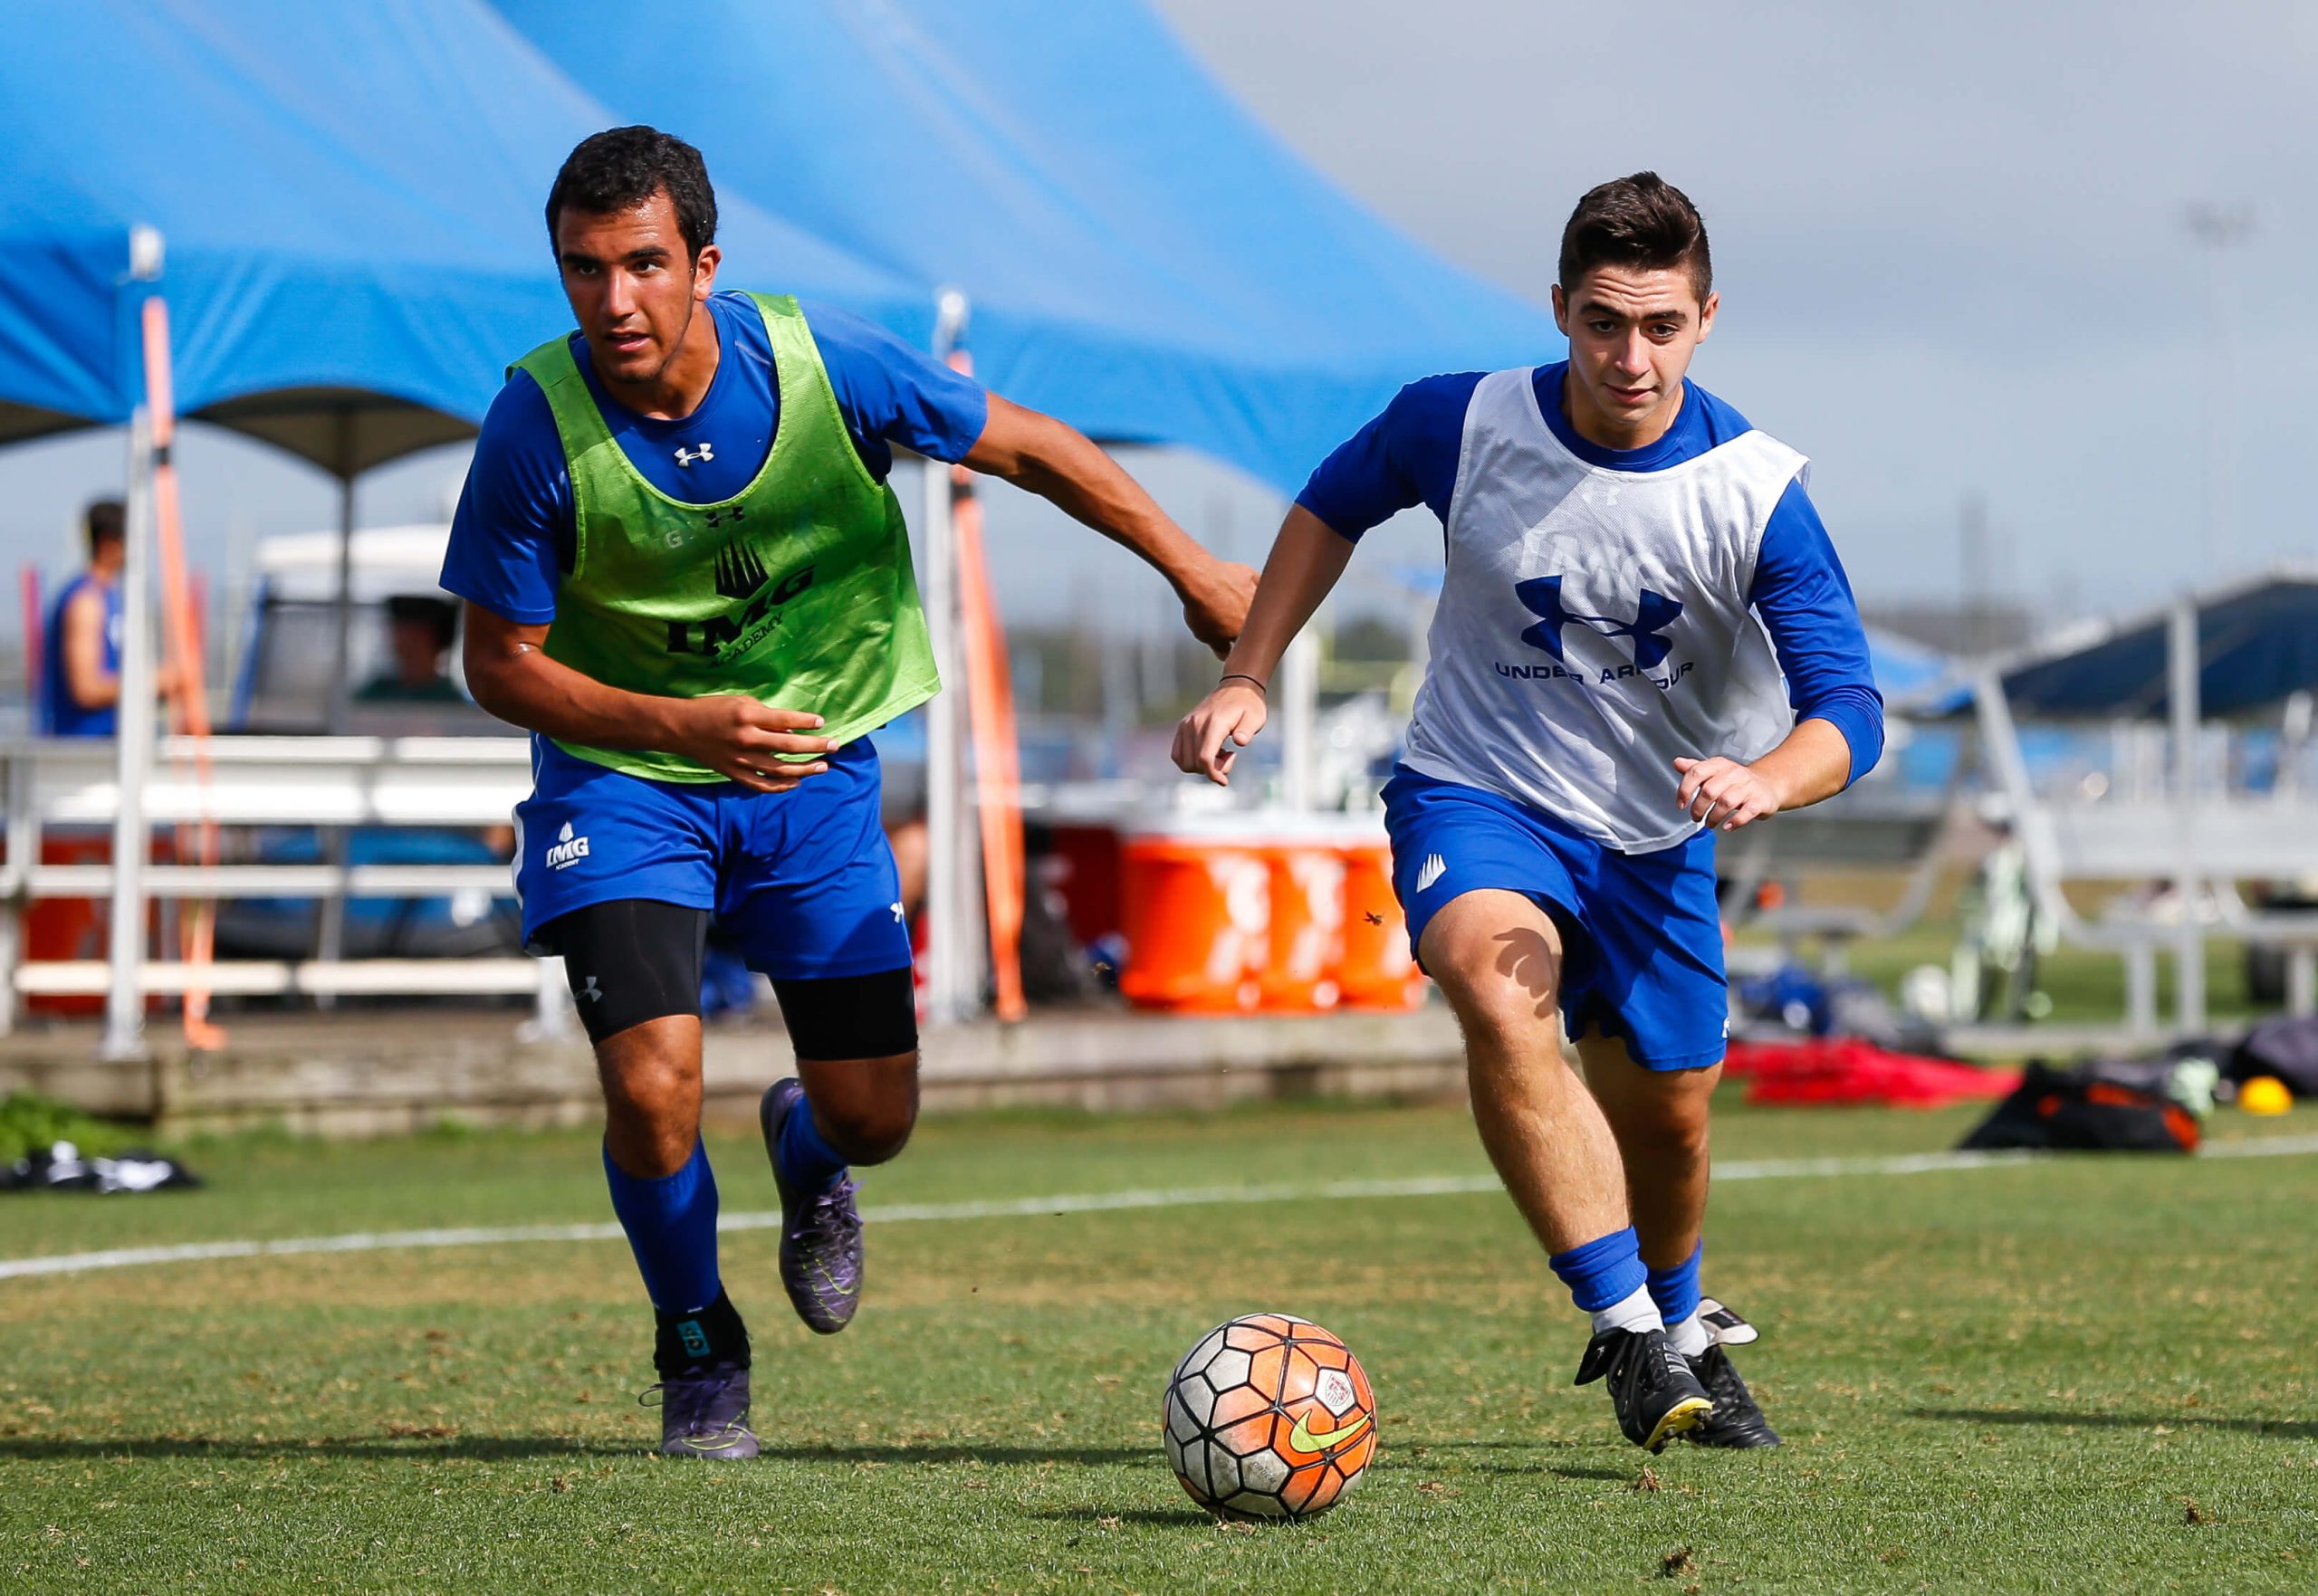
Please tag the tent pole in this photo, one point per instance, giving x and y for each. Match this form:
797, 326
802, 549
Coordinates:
329, 930
949, 923
342, 603
2181, 664
124, 1034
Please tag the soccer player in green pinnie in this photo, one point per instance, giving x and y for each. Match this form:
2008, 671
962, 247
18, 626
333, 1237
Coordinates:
685, 574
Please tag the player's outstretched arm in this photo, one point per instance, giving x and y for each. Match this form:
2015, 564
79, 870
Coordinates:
510, 675
1061, 465
1306, 562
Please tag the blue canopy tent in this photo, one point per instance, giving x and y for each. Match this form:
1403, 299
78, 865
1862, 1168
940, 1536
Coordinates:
2255, 643
1142, 257
350, 197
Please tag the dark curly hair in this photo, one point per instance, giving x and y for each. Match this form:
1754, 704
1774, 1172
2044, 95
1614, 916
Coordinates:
1641, 220
621, 168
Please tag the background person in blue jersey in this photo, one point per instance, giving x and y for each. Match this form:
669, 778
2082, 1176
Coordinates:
725, 402
79, 672
1643, 638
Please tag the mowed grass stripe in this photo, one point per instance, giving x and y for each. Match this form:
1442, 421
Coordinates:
1081, 1202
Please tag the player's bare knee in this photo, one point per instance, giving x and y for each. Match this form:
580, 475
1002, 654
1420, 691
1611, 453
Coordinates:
1671, 1124
1681, 1139
649, 1086
651, 1108
649, 1137
1499, 1017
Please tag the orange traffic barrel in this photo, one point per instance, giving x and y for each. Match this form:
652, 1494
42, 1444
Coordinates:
1376, 971
1195, 909
1305, 857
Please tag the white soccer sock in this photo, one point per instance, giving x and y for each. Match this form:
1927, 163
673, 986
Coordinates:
1633, 1311
1689, 1337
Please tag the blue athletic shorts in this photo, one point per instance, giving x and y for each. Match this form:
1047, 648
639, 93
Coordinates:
1642, 938
802, 882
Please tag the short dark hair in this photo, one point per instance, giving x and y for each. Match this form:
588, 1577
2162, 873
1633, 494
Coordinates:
1639, 221
106, 520
621, 168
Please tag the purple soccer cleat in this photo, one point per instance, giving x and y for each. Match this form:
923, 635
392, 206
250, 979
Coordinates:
705, 1412
820, 1231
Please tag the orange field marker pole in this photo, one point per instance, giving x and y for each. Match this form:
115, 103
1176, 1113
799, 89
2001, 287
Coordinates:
181, 641
998, 763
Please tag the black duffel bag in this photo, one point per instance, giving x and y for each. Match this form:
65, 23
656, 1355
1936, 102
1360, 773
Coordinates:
2082, 1110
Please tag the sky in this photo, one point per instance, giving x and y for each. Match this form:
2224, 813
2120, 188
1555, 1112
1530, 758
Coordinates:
1951, 242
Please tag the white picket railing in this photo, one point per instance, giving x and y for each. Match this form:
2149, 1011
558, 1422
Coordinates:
71, 784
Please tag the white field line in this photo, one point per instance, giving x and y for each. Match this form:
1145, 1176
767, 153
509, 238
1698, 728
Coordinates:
1079, 1202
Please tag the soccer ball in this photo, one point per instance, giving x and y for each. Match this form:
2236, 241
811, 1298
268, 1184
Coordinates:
1268, 1417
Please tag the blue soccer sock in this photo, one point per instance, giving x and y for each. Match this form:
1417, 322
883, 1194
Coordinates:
671, 1224
806, 1160
1676, 1293
1608, 1282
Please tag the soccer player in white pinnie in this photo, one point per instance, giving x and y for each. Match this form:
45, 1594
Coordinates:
1645, 638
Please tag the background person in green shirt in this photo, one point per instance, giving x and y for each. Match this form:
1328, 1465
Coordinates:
420, 633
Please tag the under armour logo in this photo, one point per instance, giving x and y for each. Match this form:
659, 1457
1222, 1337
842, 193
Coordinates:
591, 989
1654, 613
717, 518
897, 913
692, 456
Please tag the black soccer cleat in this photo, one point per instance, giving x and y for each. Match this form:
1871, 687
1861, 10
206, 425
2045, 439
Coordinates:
705, 1412
1737, 1420
1652, 1387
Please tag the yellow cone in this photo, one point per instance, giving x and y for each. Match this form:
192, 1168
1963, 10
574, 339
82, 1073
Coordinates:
2265, 1095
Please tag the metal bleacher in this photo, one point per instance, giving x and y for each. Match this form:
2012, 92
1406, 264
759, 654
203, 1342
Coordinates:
49, 785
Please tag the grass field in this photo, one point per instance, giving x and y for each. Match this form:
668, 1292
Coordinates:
2079, 1375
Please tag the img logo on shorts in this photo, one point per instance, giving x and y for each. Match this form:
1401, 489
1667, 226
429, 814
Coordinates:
567, 850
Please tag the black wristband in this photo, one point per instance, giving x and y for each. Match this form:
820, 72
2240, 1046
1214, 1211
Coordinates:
1237, 676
